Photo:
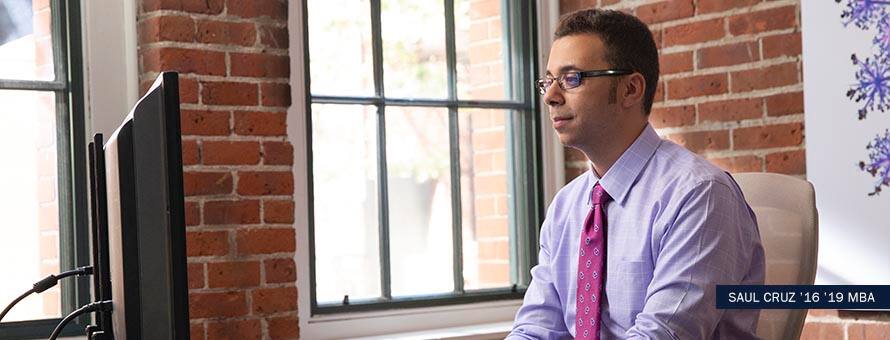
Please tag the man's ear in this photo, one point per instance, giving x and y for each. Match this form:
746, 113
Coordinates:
632, 90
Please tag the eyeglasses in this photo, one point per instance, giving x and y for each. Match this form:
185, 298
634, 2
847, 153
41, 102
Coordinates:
572, 80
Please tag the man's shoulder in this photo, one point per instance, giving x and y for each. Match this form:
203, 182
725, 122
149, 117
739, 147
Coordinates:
681, 169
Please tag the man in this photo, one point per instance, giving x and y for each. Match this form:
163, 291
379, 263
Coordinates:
633, 248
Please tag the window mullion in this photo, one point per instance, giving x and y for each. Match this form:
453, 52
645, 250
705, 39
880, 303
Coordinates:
382, 178
454, 152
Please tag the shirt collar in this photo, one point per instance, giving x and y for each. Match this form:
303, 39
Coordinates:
622, 175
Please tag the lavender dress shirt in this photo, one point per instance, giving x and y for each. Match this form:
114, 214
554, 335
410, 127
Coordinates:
677, 227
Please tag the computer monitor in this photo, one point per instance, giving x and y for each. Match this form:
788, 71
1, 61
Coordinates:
99, 232
146, 220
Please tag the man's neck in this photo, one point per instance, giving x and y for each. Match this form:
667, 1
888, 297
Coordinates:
603, 159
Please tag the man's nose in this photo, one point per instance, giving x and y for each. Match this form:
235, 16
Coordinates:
553, 95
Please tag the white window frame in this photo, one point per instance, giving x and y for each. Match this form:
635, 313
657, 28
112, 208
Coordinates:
396, 321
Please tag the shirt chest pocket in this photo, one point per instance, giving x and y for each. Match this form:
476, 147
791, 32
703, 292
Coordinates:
626, 284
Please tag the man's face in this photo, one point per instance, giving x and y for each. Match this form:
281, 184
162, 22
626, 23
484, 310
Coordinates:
585, 115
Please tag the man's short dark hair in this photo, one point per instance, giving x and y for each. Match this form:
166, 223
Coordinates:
628, 42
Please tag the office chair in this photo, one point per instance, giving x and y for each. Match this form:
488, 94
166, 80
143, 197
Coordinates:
789, 230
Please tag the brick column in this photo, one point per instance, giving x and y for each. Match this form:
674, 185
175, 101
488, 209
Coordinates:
234, 87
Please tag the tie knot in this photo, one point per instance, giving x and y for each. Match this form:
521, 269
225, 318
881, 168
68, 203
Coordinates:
599, 195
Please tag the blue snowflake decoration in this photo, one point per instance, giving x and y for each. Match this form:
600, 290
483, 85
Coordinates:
882, 40
864, 13
873, 84
878, 164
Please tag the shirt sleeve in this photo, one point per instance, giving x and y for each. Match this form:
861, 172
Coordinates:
710, 242
541, 314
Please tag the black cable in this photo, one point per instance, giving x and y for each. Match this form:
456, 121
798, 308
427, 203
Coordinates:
47, 283
8, 307
103, 306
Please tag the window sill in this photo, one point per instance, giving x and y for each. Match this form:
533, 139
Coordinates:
483, 320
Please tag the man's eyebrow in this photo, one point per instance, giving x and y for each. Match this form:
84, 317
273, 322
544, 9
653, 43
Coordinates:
565, 69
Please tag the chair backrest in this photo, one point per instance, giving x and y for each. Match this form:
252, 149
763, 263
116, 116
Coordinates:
786, 215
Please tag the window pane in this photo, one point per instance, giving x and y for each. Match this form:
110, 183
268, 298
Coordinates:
414, 49
417, 160
485, 178
344, 165
340, 47
29, 207
26, 44
479, 40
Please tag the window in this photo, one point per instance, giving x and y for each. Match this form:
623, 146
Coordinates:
44, 194
424, 156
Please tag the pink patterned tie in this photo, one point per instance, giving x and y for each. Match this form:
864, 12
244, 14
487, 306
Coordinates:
591, 268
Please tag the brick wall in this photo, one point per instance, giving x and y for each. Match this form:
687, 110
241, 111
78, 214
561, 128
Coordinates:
232, 56
731, 90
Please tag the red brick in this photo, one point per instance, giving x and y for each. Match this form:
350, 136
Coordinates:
207, 183
278, 153
192, 213
697, 86
196, 331
188, 90
230, 153
762, 21
665, 11
768, 136
190, 152
224, 32
731, 110
696, 32
167, 28
232, 212
280, 270
656, 35
235, 329
739, 163
675, 62
710, 6
265, 183
784, 104
278, 211
206, 243
819, 331
274, 94
701, 141
788, 162
732, 54
196, 275
274, 36
568, 6
869, 331
229, 93
275, 9
260, 123
764, 78
274, 300
217, 304
673, 116
184, 60
205, 123
260, 65
265, 241
286, 327
233, 274
191, 6
780, 45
